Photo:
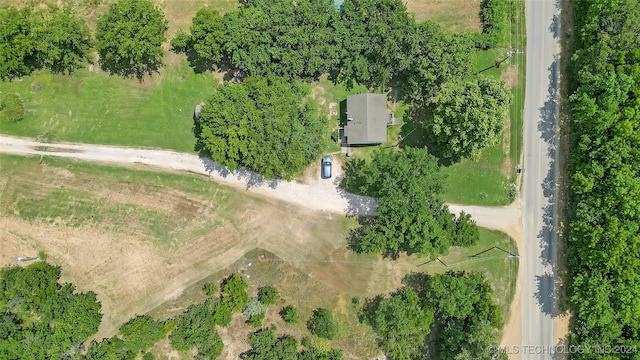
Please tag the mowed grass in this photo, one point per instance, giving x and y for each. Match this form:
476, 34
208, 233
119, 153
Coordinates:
500, 267
93, 107
492, 179
163, 208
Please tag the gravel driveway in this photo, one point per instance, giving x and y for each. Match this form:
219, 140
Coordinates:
317, 194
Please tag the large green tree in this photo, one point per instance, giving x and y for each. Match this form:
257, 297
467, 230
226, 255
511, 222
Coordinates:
61, 38
265, 124
17, 53
467, 117
294, 39
204, 45
321, 323
141, 332
195, 329
129, 38
43, 319
457, 305
436, 57
374, 37
411, 216
265, 345
401, 322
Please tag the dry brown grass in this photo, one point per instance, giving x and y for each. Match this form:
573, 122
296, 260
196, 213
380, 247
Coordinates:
455, 15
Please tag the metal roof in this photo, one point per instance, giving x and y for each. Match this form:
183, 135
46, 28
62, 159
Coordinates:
367, 118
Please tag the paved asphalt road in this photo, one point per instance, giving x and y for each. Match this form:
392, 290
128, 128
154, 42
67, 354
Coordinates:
539, 180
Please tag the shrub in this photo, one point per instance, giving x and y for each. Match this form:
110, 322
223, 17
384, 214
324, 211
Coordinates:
11, 107
335, 135
289, 314
253, 308
234, 293
256, 321
268, 295
210, 289
321, 323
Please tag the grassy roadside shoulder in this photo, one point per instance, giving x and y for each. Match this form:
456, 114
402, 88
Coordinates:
492, 179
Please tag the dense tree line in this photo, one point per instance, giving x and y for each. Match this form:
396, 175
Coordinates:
284, 38
51, 37
376, 43
604, 240
265, 124
411, 216
456, 306
41, 318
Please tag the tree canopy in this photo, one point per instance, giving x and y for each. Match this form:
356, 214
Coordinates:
403, 320
322, 324
435, 57
204, 45
48, 37
467, 117
293, 39
17, 56
265, 345
129, 38
61, 38
411, 216
374, 35
264, 124
42, 318
604, 240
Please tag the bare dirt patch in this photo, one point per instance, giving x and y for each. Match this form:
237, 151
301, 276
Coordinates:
510, 76
456, 15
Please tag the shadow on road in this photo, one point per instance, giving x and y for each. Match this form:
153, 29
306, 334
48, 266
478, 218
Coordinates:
546, 294
251, 178
547, 237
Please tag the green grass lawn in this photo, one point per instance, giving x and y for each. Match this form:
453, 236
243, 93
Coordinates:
500, 268
491, 180
101, 109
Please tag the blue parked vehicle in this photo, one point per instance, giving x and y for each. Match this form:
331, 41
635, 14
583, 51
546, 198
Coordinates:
326, 167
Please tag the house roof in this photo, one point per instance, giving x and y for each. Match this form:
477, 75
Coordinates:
369, 117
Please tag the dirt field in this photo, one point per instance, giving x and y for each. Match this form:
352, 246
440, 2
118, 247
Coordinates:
95, 228
455, 15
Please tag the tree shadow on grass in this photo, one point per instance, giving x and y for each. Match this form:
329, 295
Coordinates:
417, 281
123, 68
414, 133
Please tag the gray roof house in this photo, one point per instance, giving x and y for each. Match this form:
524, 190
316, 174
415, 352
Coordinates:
367, 119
